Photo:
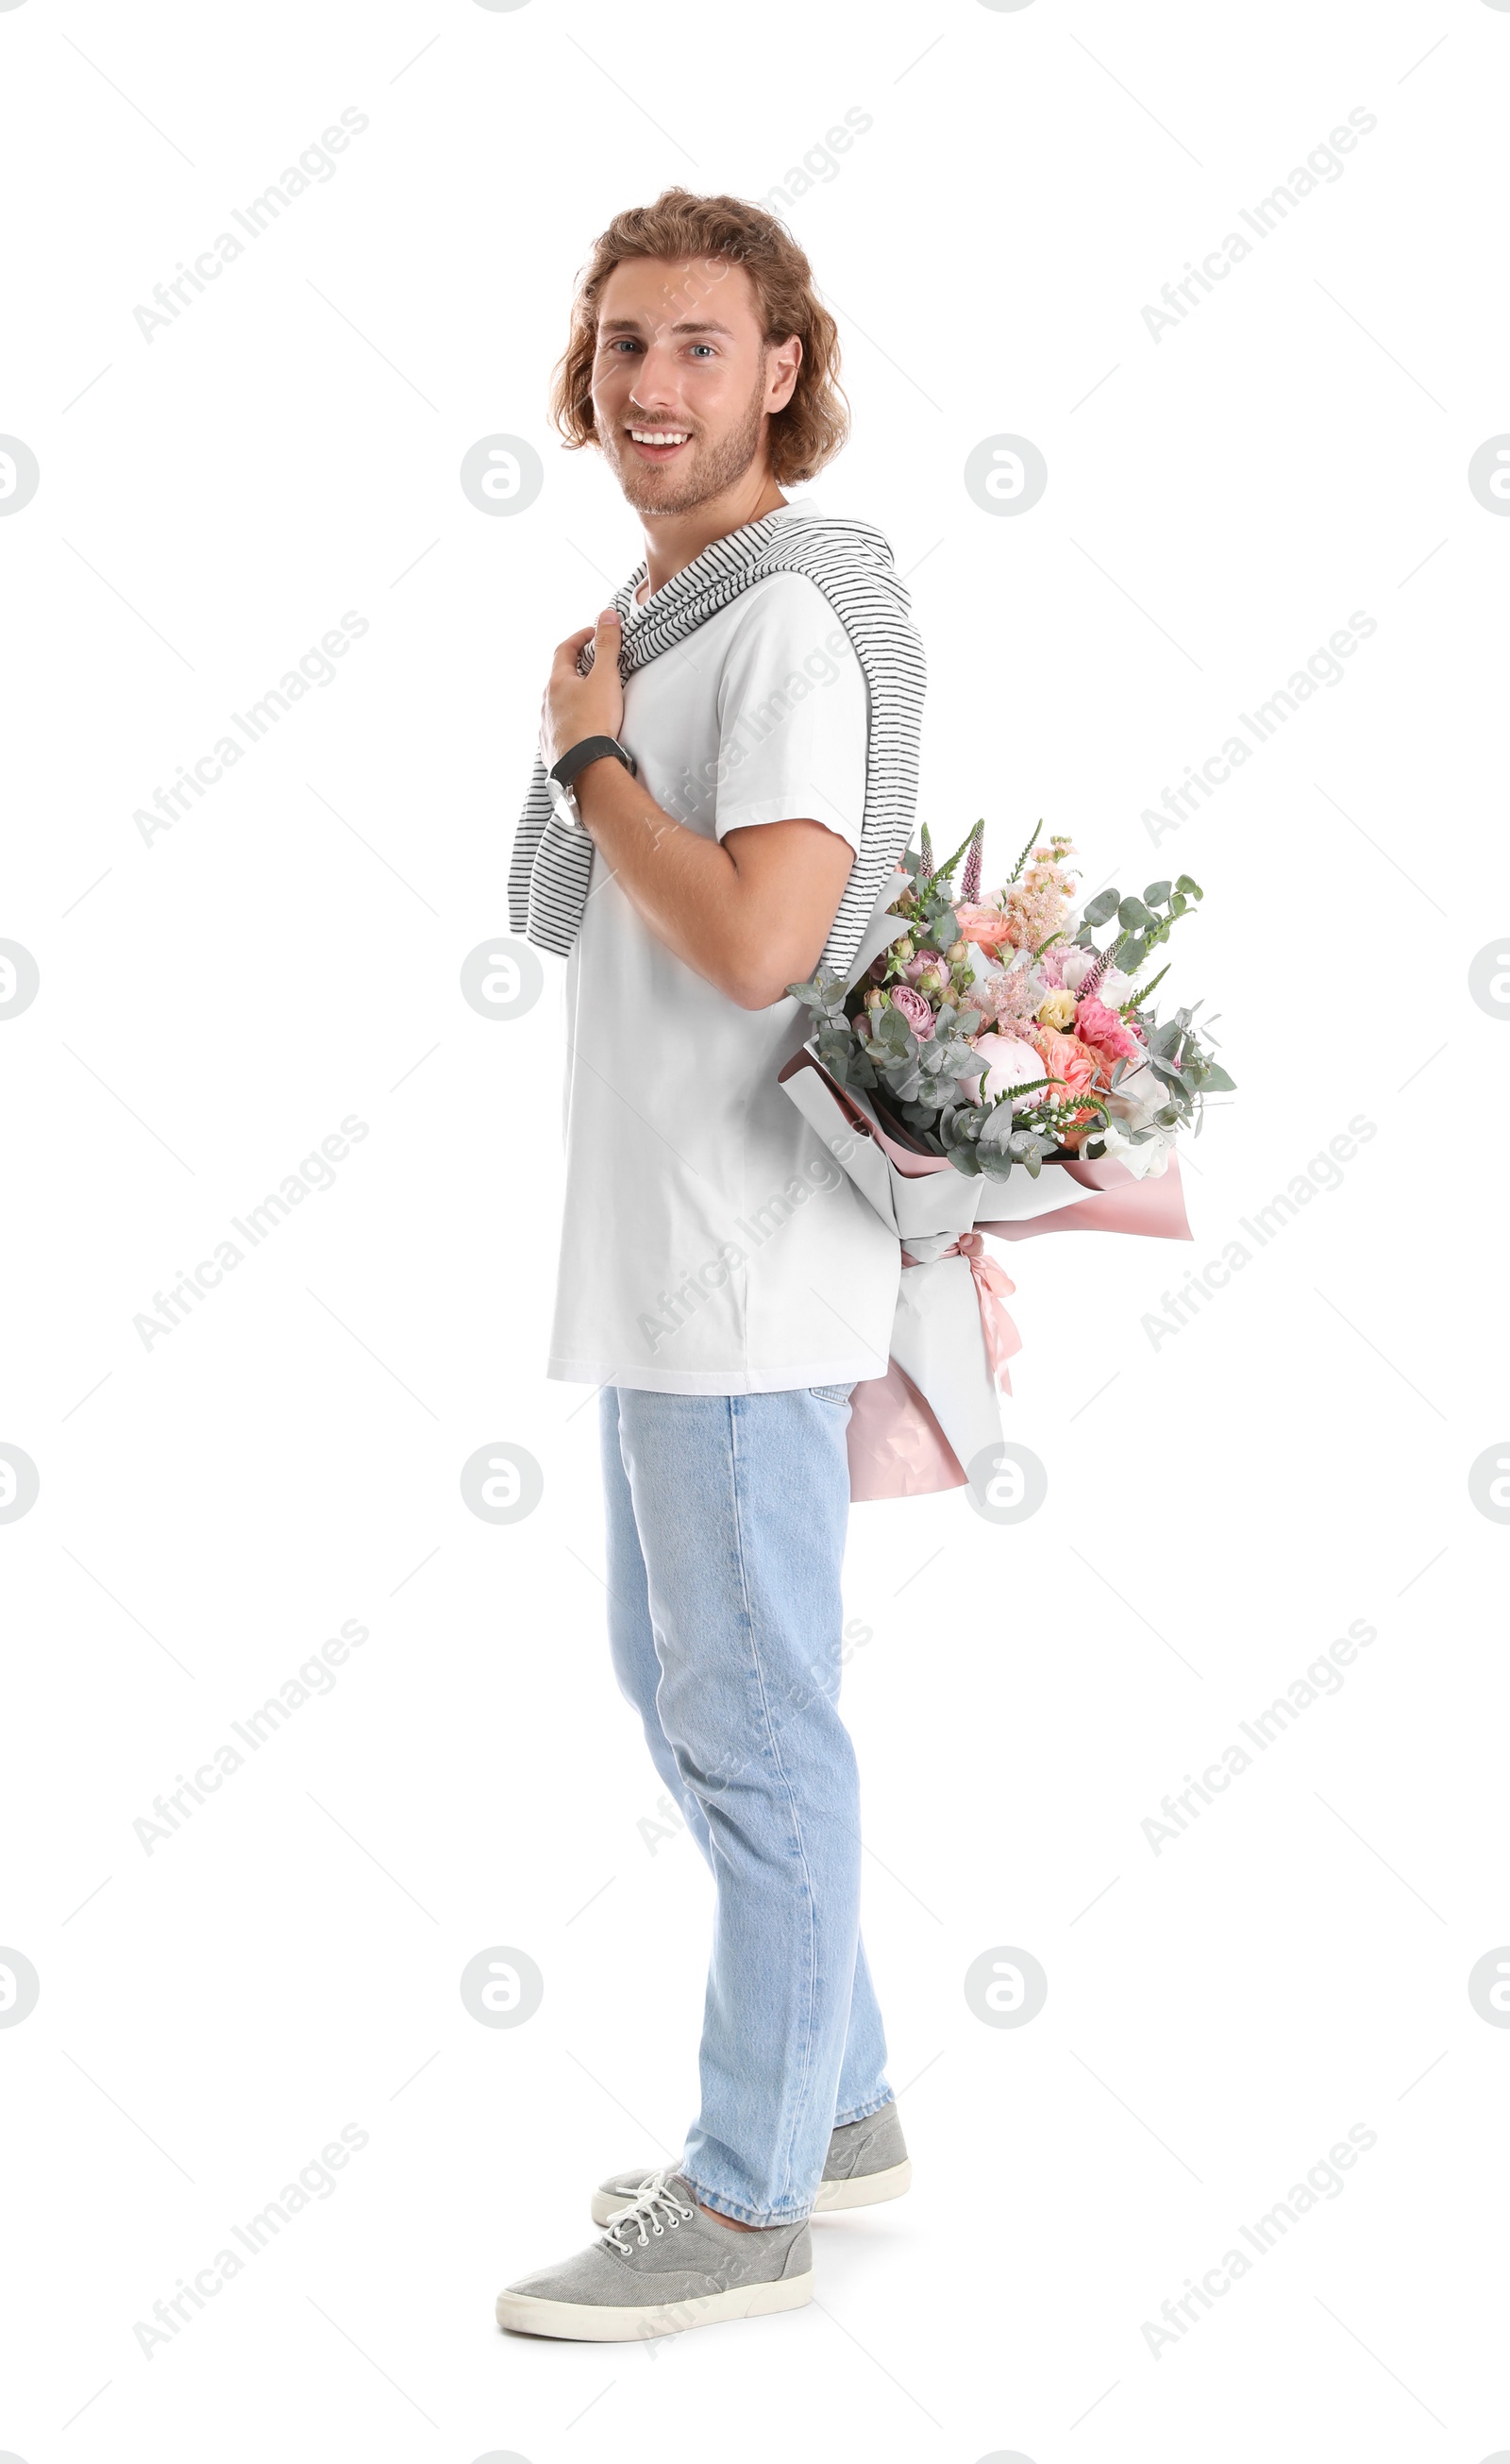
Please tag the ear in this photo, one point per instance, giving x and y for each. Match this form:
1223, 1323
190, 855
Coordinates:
782, 363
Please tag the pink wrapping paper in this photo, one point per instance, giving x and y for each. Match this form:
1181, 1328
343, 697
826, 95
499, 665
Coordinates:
896, 1446
1154, 1208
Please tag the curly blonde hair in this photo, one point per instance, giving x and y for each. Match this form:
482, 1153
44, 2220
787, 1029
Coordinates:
707, 234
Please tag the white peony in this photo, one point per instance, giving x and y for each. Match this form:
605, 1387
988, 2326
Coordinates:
1009, 1062
1147, 1162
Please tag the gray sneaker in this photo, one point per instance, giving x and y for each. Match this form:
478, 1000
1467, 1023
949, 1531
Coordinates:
623, 2288
868, 2162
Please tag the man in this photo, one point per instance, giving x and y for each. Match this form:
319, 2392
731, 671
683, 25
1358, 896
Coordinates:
721, 801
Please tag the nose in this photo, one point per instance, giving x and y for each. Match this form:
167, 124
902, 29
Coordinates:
654, 385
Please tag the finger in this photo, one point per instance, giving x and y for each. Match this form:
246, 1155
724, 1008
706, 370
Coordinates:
567, 655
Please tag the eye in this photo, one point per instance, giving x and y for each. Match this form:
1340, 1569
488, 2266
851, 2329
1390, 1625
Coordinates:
704, 346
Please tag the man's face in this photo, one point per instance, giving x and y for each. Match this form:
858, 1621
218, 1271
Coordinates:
683, 380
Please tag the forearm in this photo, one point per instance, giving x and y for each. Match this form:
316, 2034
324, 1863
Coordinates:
750, 913
717, 918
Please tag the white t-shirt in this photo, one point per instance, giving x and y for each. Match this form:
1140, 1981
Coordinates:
711, 1244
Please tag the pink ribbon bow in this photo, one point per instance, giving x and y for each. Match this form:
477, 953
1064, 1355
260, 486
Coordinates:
999, 1336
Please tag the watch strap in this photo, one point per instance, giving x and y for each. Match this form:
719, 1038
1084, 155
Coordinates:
592, 748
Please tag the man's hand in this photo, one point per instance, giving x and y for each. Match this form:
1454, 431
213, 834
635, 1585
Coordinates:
577, 706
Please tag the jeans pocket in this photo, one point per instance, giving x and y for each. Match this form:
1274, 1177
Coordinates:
832, 1394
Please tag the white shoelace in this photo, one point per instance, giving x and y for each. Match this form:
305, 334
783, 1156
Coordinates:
656, 2200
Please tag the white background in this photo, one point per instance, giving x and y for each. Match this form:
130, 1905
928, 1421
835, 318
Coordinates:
213, 1003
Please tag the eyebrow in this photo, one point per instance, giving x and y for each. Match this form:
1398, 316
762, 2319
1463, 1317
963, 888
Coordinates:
633, 325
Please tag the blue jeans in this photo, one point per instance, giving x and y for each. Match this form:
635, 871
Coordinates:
726, 1517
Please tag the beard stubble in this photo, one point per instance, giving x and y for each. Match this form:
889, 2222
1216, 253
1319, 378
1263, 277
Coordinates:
714, 468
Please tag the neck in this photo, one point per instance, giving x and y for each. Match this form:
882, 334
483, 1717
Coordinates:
672, 540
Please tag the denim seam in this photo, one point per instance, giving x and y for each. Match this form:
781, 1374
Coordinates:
726, 2207
614, 1593
791, 1798
843, 2121
680, 1787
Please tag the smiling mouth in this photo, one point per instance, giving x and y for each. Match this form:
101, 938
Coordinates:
658, 444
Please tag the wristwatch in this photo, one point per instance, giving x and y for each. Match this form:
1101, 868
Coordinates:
558, 779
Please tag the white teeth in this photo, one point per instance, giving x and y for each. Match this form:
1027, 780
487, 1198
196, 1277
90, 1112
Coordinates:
659, 435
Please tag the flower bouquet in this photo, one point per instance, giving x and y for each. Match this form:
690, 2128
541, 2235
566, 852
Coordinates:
995, 1032
972, 1037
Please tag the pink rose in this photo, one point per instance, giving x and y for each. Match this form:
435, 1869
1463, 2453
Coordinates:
1095, 1023
1079, 1069
1064, 1057
914, 1010
988, 927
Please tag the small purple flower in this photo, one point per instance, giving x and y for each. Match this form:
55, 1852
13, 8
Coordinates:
970, 877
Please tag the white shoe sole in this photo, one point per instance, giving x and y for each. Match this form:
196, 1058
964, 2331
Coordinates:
585, 2322
867, 2191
